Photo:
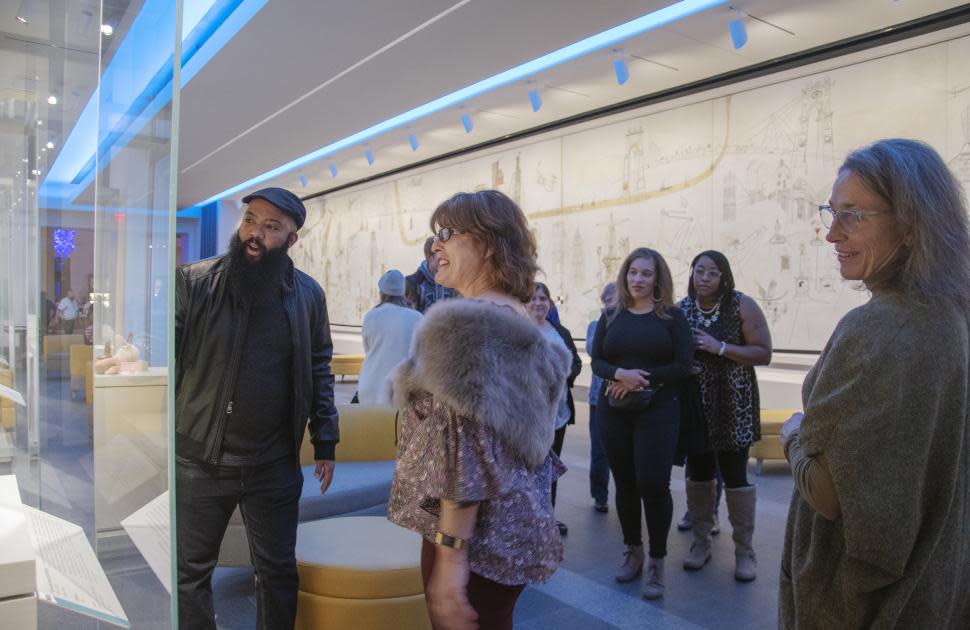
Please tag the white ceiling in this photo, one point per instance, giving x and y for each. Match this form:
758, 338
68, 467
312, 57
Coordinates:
276, 92
302, 74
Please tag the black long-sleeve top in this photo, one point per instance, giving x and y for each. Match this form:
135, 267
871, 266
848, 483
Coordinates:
662, 347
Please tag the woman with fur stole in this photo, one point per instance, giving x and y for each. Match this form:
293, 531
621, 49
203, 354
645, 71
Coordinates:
479, 395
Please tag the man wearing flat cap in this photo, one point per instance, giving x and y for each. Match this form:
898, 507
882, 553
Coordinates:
252, 352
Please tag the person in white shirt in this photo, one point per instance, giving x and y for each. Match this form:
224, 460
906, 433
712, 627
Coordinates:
387, 332
67, 310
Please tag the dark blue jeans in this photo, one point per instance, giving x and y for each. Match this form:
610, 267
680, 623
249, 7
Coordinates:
599, 465
268, 497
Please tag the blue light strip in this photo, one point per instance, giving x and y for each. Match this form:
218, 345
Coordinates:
138, 83
591, 44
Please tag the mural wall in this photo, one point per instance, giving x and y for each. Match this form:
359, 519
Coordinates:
742, 173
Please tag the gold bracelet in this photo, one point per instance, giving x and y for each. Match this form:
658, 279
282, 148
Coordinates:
440, 538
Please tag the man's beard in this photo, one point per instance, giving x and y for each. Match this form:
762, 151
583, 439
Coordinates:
256, 280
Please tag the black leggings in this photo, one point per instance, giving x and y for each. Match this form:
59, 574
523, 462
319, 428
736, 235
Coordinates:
557, 441
640, 448
733, 465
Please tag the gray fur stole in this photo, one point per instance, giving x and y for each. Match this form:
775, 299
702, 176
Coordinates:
491, 365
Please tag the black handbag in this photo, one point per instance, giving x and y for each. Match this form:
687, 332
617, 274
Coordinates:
637, 400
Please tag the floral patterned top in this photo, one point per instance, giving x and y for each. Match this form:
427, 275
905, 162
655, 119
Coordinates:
443, 455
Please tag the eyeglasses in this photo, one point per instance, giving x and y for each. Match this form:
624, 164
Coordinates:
701, 272
850, 219
444, 234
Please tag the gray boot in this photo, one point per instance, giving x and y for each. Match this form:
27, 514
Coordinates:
632, 564
653, 579
741, 509
700, 502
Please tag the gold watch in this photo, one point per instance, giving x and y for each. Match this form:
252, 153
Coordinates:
440, 538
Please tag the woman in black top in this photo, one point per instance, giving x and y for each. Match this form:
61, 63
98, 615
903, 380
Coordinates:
645, 343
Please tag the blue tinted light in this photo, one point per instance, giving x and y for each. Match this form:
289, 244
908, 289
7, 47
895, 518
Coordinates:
622, 72
610, 37
138, 83
739, 35
535, 99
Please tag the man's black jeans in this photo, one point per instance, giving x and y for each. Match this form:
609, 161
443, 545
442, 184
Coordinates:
268, 496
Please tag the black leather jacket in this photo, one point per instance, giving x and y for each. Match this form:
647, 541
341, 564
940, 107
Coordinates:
209, 330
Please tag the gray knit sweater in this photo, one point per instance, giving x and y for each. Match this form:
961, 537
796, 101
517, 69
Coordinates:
887, 405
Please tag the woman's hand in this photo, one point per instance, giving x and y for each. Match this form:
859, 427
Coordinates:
705, 342
631, 379
790, 426
447, 595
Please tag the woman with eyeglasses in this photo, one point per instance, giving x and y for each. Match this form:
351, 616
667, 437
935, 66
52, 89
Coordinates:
643, 348
877, 527
479, 397
731, 337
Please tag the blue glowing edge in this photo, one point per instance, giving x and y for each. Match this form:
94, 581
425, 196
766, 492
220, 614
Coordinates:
137, 84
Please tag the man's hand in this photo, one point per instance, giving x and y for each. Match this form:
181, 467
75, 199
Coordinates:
324, 472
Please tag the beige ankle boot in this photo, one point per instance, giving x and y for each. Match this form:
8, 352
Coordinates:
653, 579
741, 510
632, 564
700, 502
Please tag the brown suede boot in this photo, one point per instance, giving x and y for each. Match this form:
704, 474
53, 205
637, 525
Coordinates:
741, 510
632, 564
700, 502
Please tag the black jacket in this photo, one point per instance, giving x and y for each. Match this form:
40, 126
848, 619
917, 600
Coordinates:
575, 368
209, 330
422, 290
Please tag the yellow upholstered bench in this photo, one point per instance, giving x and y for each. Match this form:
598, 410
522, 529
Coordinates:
89, 385
8, 409
81, 356
769, 446
346, 364
59, 344
359, 573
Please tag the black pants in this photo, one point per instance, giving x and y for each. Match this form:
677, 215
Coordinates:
557, 441
269, 499
733, 466
640, 448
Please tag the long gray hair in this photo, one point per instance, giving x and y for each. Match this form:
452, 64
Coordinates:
929, 206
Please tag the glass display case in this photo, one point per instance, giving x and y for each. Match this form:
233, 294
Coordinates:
90, 96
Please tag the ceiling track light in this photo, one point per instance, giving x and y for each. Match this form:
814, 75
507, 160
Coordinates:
604, 40
333, 170
739, 34
303, 181
535, 99
370, 156
52, 100
413, 141
621, 71
466, 122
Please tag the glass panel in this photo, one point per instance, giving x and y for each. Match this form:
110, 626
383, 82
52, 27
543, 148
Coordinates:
86, 214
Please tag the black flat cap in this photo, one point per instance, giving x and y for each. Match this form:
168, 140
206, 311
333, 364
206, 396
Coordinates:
282, 199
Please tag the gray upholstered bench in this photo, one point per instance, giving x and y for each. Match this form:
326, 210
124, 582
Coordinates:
361, 480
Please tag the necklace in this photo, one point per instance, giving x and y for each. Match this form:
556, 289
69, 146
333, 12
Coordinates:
712, 314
